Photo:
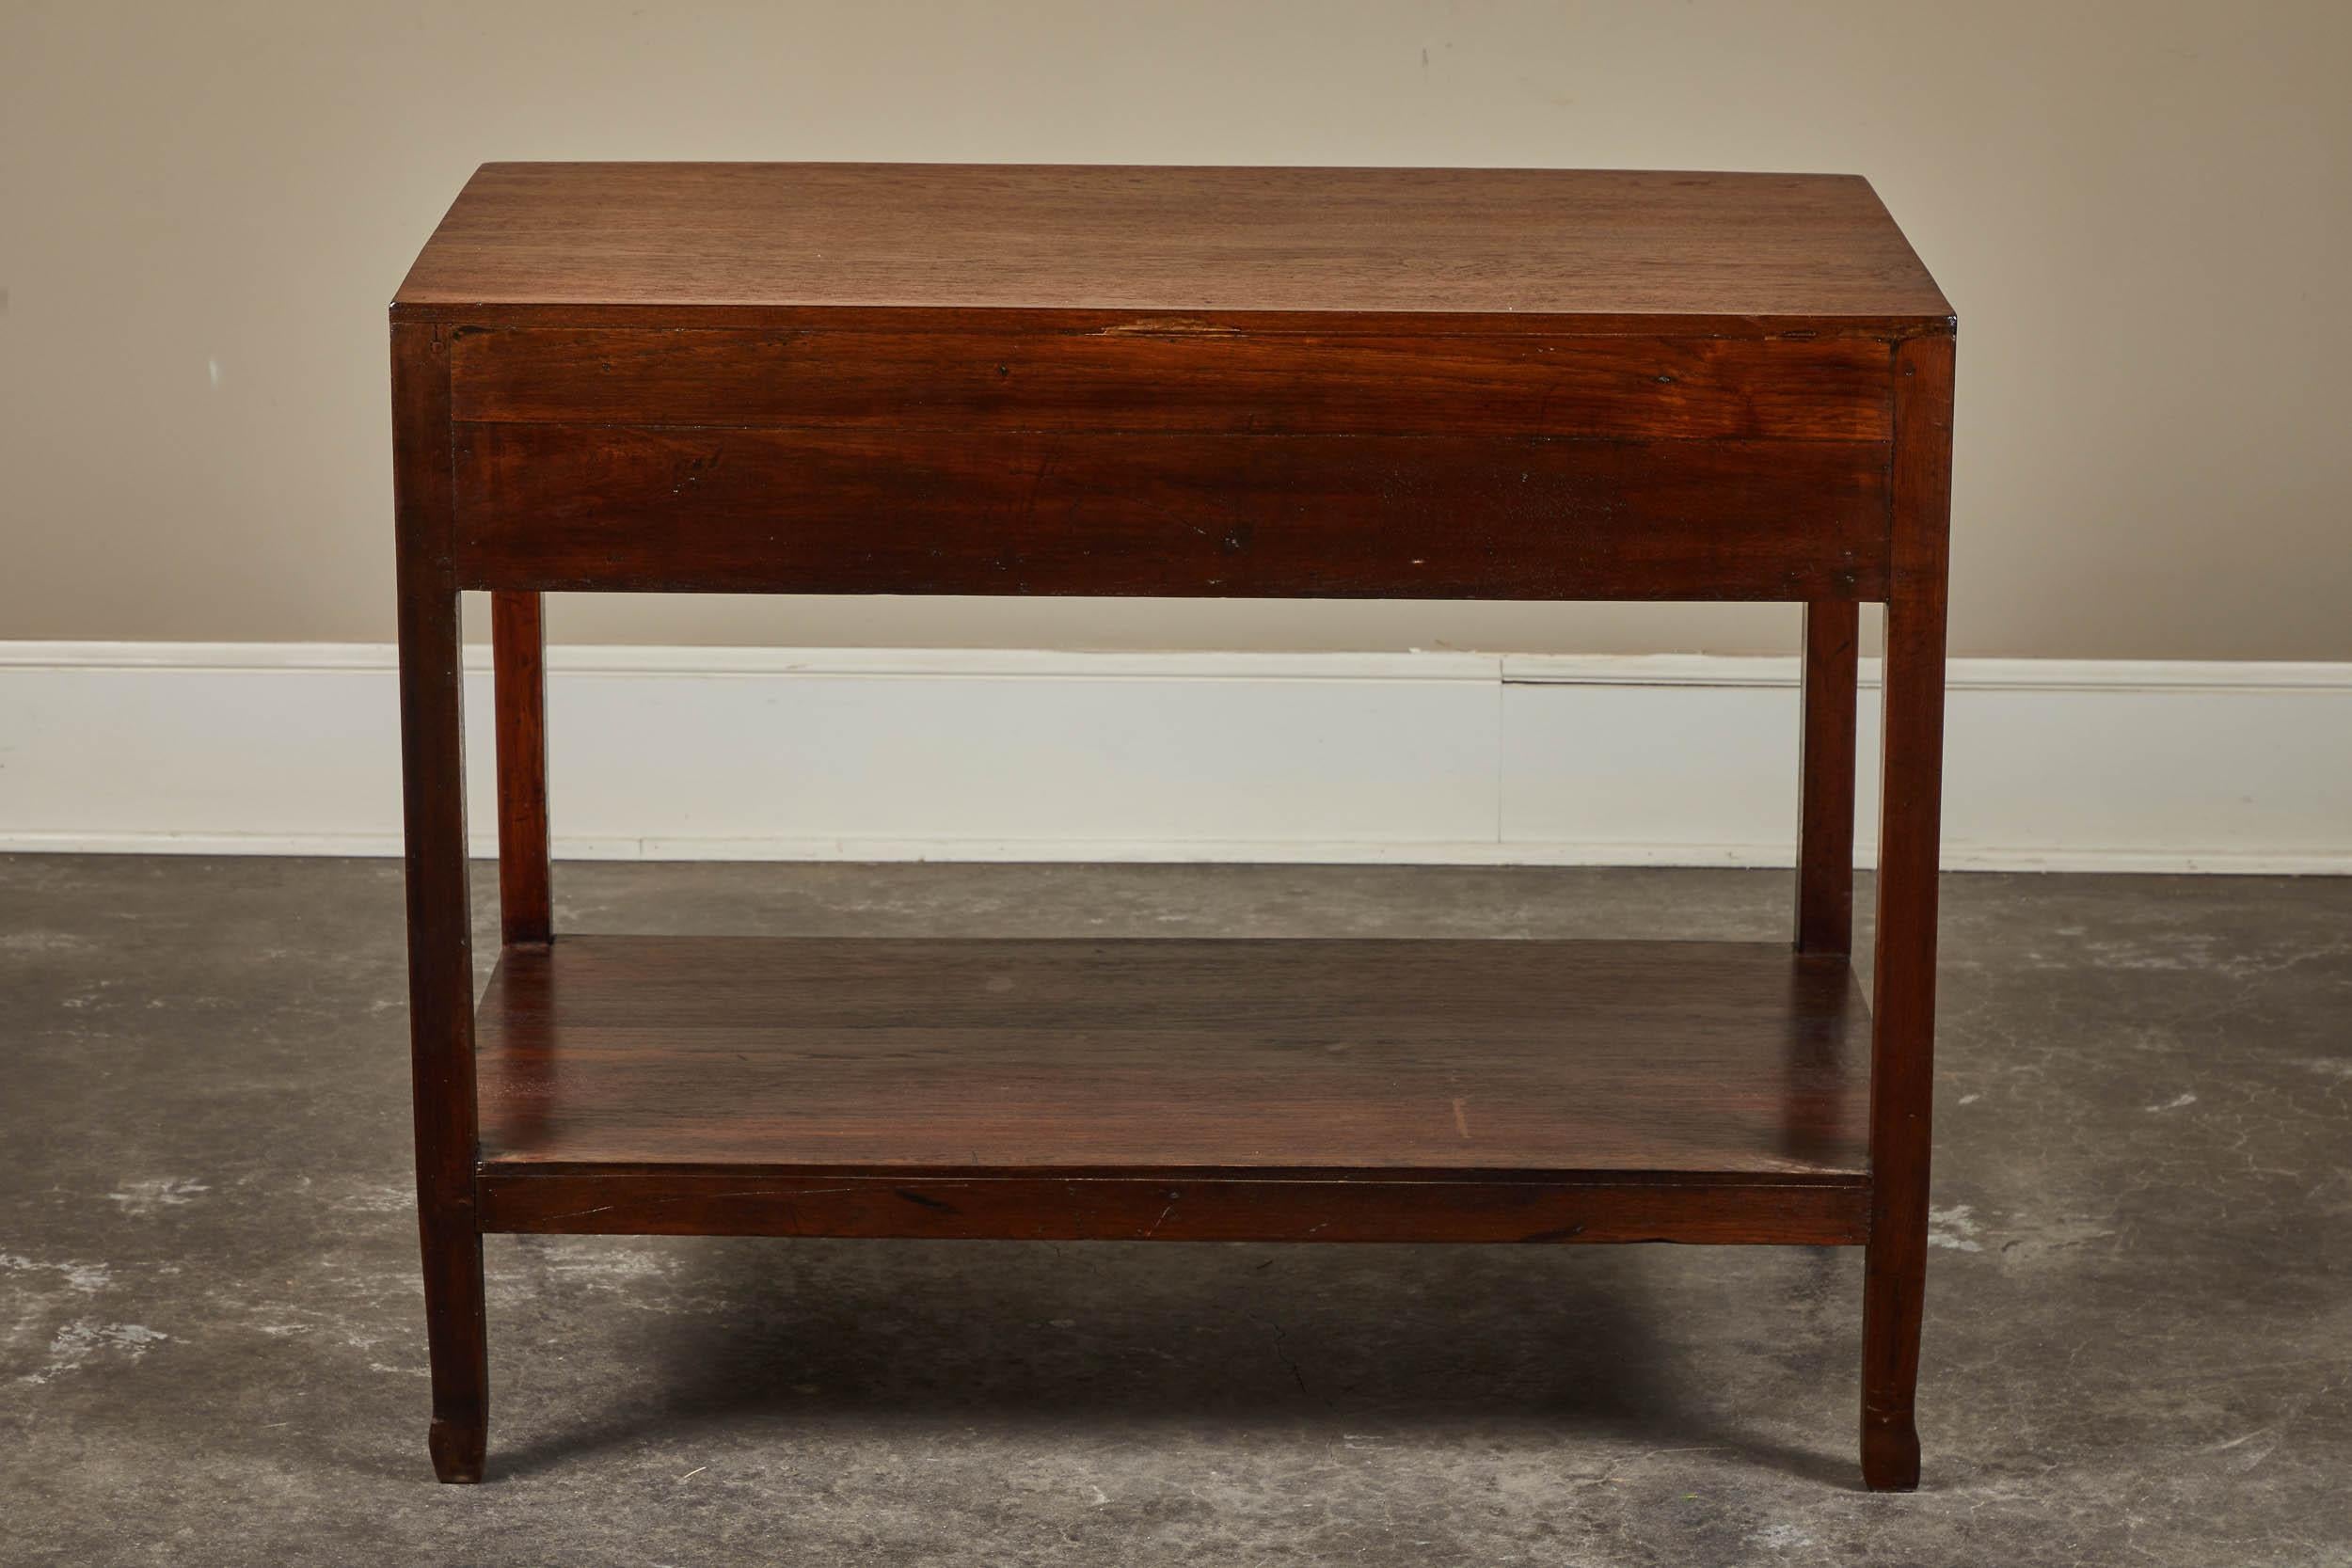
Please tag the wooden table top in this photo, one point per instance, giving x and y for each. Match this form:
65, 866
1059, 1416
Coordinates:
1519, 249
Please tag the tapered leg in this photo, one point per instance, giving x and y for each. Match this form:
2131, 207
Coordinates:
1902, 1065
518, 654
440, 946
1827, 780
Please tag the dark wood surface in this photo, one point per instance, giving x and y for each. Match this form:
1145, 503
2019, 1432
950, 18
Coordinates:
682, 242
1513, 383
550, 506
1902, 1055
1052, 1206
1825, 798
440, 939
1558, 1058
518, 662
1194, 381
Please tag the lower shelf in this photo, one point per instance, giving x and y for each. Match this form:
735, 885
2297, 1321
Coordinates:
1286, 1089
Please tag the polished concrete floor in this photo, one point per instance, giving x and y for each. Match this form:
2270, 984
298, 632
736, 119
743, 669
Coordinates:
2139, 1312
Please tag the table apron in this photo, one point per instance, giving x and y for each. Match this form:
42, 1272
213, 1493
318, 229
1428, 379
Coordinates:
818, 509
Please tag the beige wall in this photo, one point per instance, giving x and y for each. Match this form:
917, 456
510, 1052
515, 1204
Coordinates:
2143, 211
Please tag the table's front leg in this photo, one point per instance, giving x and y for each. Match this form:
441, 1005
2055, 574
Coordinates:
440, 941
1902, 1067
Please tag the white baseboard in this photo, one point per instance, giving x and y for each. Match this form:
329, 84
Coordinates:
694, 753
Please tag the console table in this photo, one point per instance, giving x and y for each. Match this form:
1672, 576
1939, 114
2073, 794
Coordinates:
1402, 383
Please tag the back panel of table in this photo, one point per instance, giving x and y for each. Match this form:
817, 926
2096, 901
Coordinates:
1171, 460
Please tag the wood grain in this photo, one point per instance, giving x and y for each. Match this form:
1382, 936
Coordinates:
1156, 1057
440, 941
1052, 1207
1208, 382
1825, 808
1336, 383
1902, 1050
518, 661
1502, 249
947, 511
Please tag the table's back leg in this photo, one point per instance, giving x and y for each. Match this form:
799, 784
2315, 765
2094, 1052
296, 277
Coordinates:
519, 657
440, 942
1902, 1067
1826, 779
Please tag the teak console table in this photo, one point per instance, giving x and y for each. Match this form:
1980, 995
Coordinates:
1249, 383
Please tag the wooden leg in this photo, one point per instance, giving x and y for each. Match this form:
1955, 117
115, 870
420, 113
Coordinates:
1825, 799
440, 943
1902, 1061
518, 654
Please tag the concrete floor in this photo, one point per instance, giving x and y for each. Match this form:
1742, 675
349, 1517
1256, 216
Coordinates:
2139, 1314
